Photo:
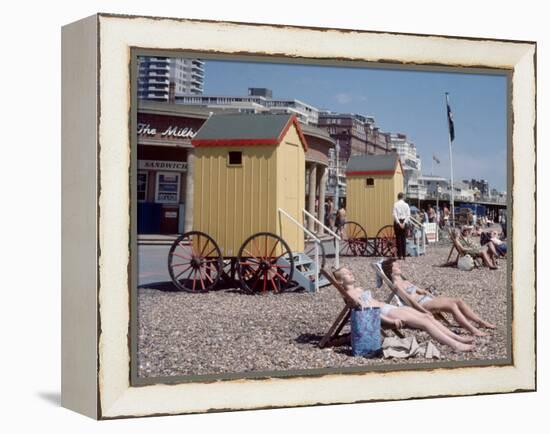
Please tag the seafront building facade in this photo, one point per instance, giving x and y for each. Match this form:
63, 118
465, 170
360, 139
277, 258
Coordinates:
258, 100
355, 134
412, 165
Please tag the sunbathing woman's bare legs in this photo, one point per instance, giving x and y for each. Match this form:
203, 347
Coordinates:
492, 249
460, 311
487, 260
460, 338
422, 321
469, 313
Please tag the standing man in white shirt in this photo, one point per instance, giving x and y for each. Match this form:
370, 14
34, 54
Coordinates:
401, 215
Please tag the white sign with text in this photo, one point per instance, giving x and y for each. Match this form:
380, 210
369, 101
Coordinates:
177, 166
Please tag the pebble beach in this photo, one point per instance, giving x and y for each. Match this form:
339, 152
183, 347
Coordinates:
229, 332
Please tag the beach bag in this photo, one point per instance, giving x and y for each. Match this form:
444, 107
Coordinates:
465, 263
365, 332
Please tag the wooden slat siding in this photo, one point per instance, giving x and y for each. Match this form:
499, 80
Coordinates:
371, 206
258, 199
216, 221
231, 197
198, 195
290, 182
249, 213
240, 199
236, 202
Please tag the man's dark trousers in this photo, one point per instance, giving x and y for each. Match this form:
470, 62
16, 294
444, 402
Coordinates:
400, 239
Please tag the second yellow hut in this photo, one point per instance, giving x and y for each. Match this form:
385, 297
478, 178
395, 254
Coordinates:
373, 182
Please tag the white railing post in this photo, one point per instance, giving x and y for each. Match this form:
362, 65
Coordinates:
317, 269
337, 253
310, 234
420, 226
331, 232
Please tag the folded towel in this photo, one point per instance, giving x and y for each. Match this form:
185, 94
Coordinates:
402, 348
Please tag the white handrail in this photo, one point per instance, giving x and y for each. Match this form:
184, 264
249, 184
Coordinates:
422, 233
331, 232
297, 223
334, 234
317, 243
415, 222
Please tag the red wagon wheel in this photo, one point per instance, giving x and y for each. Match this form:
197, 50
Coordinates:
354, 240
265, 263
385, 241
195, 262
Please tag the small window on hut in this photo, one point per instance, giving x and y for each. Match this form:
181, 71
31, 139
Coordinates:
235, 158
370, 182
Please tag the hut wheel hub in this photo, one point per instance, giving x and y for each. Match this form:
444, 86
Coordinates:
264, 265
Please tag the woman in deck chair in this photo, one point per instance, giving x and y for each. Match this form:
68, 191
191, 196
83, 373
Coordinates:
486, 253
498, 245
461, 312
403, 316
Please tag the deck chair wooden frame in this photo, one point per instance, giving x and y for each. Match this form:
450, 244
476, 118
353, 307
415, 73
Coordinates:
333, 336
405, 298
456, 246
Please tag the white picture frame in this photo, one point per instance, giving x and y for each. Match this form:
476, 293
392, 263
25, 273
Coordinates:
96, 195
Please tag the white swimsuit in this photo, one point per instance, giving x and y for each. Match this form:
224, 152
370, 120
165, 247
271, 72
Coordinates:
411, 290
366, 297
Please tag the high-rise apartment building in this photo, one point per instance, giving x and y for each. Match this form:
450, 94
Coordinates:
163, 78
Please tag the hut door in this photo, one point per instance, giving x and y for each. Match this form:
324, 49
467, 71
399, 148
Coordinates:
291, 203
292, 176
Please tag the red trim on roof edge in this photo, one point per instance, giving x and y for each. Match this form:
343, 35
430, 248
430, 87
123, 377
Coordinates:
371, 172
294, 121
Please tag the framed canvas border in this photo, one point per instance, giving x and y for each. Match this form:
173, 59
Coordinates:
115, 397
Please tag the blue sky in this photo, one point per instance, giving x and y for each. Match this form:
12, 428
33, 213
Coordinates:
410, 102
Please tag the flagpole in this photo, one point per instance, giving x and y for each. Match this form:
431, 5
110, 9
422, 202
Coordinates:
451, 161
452, 183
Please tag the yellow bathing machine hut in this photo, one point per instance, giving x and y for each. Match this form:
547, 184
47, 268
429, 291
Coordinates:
249, 170
373, 182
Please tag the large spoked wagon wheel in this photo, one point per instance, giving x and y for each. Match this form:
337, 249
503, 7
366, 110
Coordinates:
354, 240
385, 241
265, 263
195, 262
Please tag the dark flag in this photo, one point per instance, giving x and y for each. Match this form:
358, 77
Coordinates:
450, 119
436, 159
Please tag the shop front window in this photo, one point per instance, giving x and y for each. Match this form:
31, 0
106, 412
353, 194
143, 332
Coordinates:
142, 186
168, 187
